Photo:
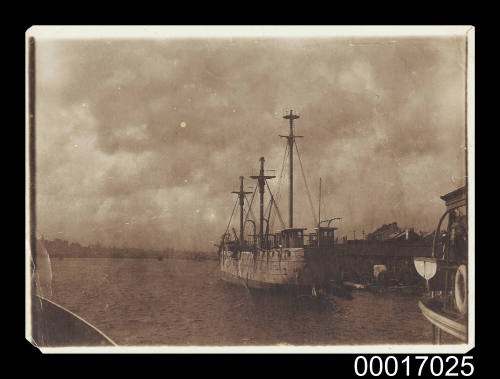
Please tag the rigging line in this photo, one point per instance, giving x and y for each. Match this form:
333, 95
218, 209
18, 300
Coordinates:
250, 205
307, 187
272, 217
276, 206
279, 215
229, 223
282, 171
279, 180
269, 205
249, 210
269, 216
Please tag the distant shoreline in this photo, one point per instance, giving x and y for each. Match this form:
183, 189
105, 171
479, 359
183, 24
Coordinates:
62, 249
201, 259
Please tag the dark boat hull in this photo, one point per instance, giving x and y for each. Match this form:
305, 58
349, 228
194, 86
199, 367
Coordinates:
455, 327
55, 326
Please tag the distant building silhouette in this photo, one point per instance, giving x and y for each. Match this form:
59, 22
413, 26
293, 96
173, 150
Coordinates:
392, 232
384, 232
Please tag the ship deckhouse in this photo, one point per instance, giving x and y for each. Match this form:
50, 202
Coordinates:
326, 237
290, 238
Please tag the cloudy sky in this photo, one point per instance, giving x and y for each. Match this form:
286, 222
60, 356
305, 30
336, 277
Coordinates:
140, 142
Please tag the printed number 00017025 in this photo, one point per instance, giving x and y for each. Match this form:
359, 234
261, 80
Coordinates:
437, 365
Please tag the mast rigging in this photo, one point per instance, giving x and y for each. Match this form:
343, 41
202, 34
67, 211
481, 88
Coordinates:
261, 178
241, 196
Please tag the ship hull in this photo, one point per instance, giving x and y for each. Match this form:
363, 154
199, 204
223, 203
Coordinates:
265, 286
275, 269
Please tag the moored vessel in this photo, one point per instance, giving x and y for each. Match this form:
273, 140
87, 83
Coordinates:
445, 303
287, 259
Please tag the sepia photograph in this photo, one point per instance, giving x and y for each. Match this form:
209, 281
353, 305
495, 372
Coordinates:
264, 189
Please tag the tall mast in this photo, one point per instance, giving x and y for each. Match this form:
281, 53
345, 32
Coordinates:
241, 195
262, 182
291, 140
319, 212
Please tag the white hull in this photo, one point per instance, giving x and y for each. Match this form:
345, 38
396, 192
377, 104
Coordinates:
267, 269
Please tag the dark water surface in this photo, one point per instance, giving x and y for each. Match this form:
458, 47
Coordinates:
183, 302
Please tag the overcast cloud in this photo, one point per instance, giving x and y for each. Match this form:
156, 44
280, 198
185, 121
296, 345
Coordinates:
383, 122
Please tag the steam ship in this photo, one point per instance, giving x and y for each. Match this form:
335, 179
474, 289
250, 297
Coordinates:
288, 258
446, 302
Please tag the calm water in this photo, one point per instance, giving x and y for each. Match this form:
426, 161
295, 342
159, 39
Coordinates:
182, 302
